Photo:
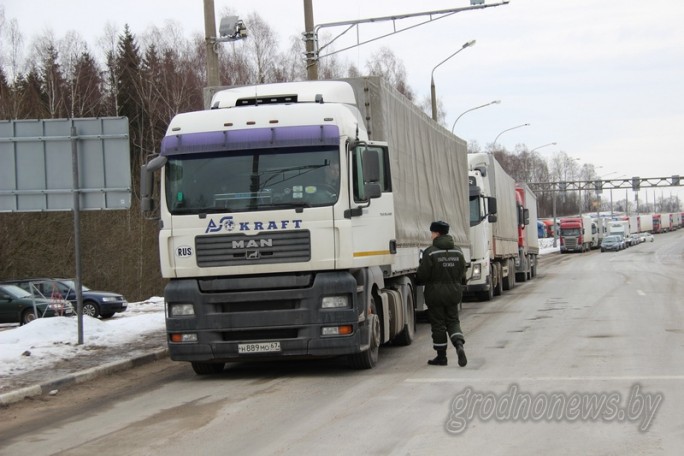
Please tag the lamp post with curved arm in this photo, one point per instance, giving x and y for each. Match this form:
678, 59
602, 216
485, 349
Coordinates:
549, 144
473, 109
432, 78
509, 129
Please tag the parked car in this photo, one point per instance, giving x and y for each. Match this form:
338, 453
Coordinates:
613, 242
647, 237
102, 304
19, 306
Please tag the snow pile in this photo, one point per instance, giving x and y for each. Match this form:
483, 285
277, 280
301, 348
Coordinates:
43, 341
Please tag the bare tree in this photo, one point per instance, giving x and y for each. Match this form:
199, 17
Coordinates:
262, 49
386, 64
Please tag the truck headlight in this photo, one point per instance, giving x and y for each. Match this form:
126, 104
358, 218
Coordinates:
477, 271
181, 310
335, 302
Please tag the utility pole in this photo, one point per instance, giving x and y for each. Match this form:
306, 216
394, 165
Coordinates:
309, 39
209, 40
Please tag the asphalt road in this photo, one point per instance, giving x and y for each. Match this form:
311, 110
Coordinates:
585, 359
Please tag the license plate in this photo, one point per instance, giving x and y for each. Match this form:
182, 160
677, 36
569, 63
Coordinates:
260, 347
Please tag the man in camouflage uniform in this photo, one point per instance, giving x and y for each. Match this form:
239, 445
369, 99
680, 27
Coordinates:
442, 271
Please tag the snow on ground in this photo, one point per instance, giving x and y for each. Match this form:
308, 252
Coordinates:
38, 344
546, 246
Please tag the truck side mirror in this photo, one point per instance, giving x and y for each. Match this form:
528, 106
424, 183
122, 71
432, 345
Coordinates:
146, 189
492, 218
491, 205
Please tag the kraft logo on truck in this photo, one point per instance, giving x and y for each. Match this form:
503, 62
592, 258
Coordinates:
228, 224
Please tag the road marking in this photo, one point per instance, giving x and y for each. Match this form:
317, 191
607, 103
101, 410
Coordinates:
641, 293
544, 379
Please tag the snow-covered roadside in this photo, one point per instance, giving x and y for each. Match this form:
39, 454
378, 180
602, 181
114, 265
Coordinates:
39, 344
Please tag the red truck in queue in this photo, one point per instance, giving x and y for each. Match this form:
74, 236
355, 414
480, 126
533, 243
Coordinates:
575, 234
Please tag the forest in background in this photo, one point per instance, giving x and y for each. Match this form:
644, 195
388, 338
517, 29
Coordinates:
149, 78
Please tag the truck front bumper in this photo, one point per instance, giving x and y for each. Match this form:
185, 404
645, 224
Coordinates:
234, 317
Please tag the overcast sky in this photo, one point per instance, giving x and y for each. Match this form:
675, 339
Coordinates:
601, 78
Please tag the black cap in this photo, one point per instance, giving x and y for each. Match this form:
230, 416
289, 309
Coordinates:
439, 227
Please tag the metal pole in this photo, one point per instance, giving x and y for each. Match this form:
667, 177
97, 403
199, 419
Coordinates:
555, 226
77, 231
310, 41
213, 79
433, 98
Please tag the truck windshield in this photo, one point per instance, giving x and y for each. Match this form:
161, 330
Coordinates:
570, 231
252, 180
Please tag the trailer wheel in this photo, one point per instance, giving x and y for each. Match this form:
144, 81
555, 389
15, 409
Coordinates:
202, 368
368, 359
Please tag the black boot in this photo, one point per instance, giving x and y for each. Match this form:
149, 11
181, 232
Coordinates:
462, 360
440, 360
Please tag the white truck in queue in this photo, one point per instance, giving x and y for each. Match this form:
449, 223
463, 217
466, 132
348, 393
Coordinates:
620, 227
493, 228
293, 216
528, 236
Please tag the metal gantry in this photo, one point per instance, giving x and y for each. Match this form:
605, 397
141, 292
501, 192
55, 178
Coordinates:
598, 185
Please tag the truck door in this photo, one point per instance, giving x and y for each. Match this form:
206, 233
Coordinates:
373, 227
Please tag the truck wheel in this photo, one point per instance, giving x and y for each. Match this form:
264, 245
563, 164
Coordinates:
521, 276
202, 368
368, 359
405, 337
489, 294
509, 280
498, 288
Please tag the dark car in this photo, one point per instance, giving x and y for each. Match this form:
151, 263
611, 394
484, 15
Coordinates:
19, 306
102, 304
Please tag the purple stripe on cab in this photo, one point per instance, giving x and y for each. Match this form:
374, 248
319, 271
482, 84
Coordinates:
254, 138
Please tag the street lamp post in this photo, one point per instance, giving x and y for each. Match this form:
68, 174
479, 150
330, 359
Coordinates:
432, 78
509, 129
537, 148
473, 109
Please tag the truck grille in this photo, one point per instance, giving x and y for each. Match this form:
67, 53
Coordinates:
263, 248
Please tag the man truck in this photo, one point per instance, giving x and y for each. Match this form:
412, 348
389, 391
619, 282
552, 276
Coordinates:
293, 217
493, 228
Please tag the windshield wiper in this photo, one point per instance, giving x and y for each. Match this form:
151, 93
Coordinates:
303, 169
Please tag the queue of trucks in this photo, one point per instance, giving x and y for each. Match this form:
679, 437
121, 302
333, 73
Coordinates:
293, 217
582, 233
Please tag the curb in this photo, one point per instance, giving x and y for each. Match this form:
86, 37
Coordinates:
81, 377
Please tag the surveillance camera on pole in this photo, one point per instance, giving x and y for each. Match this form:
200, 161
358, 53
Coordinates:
231, 29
